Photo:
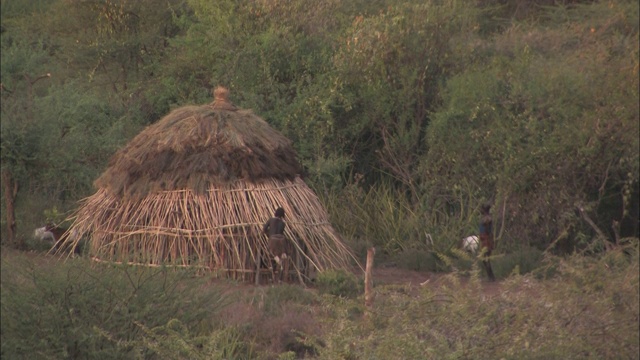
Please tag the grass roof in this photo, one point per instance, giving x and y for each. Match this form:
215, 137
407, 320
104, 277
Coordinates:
196, 147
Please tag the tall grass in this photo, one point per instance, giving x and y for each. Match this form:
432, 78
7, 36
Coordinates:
78, 309
385, 217
589, 310
417, 238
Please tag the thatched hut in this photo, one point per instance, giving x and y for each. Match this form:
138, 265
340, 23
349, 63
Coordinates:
195, 188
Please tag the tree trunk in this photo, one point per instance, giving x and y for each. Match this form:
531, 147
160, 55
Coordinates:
10, 193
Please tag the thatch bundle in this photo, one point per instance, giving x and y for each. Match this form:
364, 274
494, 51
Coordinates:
195, 188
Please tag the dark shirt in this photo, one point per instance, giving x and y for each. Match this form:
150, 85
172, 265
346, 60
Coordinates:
486, 225
274, 226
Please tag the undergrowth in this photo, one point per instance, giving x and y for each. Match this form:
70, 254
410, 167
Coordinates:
79, 309
589, 308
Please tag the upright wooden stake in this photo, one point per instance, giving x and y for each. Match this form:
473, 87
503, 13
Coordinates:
10, 194
368, 280
258, 263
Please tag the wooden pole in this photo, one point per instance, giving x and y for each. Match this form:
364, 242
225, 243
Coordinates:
368, 280
258, 265
297, 270
10, 195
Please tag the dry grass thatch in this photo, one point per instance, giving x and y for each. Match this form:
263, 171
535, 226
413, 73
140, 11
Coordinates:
197, 147
196, 188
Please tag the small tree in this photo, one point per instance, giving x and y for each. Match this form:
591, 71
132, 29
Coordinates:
18, 138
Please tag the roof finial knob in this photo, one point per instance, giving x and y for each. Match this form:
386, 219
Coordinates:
221, 99
220, 94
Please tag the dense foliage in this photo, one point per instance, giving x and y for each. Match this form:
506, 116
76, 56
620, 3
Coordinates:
407, 115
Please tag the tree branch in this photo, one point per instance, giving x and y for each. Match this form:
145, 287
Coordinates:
595, 227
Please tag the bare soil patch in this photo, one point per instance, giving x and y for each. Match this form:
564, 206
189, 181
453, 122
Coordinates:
383, 275
415, 279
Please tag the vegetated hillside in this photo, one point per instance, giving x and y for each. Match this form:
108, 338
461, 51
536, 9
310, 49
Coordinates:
543, 120
407, 115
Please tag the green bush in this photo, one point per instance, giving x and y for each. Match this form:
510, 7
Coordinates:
79, 309
503, 124
522, 261
339, 283
459, 261
36, 245
174, 341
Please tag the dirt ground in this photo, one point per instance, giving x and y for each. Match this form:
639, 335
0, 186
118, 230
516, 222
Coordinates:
383, 275
414, 280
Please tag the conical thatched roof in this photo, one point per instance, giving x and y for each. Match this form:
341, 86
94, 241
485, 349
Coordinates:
197, 147
195, 188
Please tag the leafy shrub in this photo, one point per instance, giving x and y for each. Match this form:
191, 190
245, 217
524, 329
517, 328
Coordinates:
36, 245
522, 261
338, 283
458, 261
80, 309
174, 341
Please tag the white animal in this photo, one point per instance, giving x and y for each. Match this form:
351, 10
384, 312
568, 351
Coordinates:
43, 234
471, 244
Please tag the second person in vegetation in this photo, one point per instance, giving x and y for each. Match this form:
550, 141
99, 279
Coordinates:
486, 238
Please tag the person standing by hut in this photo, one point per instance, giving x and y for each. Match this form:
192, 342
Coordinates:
274, 228
486, 238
